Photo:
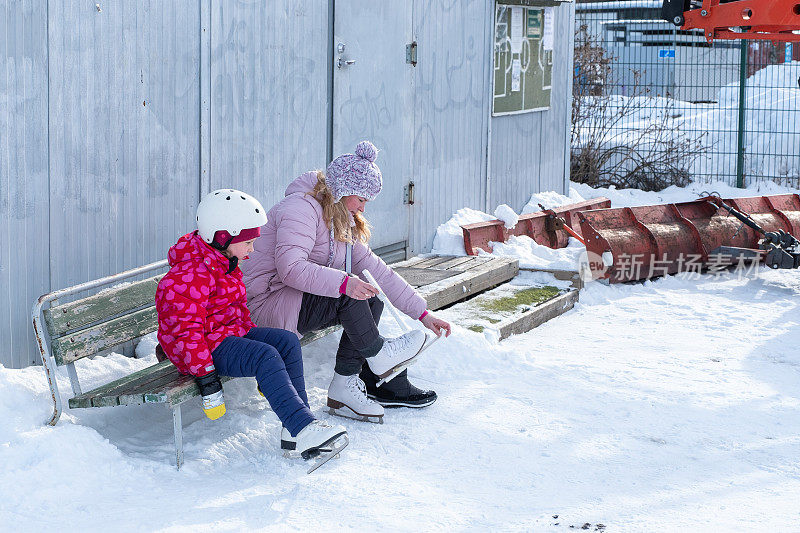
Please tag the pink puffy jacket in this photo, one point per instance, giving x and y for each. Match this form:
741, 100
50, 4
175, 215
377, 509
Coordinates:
292, 257
199, 305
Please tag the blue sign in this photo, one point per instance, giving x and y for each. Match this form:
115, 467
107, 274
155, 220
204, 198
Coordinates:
666, 53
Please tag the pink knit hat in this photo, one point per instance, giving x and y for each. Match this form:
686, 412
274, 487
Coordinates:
355, 173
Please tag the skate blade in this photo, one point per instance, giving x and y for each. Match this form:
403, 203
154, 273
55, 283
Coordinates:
346, 412
294, 454
338, 444
393, 373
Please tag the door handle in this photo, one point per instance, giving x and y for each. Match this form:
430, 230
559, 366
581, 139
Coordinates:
341, 63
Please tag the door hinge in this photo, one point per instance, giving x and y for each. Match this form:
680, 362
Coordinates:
408, 190
411, 53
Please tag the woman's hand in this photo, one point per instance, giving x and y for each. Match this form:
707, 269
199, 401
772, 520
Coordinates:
436, 325
359, 290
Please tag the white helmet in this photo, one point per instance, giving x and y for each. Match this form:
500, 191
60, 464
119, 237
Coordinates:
229, 210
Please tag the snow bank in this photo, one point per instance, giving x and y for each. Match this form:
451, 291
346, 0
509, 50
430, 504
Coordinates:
449, 239
534, 255
507, 215
551, 200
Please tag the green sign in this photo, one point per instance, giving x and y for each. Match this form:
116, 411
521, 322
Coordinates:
523, 59
534, 23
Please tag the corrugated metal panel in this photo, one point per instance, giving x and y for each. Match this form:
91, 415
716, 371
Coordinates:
451, 111
124, 129
23, 175
528, 152
268, 94
373, 99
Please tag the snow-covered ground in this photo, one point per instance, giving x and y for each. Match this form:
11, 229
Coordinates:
669, 405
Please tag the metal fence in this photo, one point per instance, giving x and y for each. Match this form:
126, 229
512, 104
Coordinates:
730, 109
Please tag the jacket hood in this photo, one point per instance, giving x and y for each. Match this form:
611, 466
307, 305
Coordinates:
303, 184
191, 247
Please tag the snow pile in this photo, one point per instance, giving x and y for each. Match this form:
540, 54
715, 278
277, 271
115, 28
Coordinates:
534, 255
507, 215
673, 194
449, 239
551, 200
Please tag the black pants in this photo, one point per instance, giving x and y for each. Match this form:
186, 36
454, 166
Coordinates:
359, 318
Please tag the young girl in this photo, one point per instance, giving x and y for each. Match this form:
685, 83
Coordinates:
304, 275
204, 325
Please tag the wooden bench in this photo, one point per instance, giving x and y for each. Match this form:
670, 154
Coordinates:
115, 318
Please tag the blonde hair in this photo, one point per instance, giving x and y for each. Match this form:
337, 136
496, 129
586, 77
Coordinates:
336, 216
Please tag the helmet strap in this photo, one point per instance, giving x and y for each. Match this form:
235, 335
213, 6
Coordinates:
221, 247
233, 262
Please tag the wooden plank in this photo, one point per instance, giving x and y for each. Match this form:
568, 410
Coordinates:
318, 334
180, 390
416, 277
85, 399
475, 263
183, 387
412, 261
431, 262
465, 284
133, 393
538, 315
89, 341
98, 308
155, 383
455, 262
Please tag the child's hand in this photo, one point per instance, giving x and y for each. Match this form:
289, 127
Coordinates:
436, 325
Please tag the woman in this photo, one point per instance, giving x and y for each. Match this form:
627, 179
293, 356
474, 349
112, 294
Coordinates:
298, 279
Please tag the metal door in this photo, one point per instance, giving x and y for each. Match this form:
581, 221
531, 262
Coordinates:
372, 100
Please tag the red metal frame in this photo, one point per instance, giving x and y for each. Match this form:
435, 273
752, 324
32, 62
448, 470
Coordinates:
660, 239
540, 226
773, 20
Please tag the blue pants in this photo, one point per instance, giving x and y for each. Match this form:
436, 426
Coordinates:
274, 357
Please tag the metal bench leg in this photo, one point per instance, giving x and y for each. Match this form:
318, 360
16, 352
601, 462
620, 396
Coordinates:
178, 428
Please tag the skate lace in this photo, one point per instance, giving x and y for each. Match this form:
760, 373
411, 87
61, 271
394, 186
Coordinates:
357, 385
400, 343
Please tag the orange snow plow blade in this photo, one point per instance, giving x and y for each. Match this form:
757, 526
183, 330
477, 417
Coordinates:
633, 243
538, 226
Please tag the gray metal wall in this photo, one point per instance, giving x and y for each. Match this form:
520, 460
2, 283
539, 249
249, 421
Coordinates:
269, 84
451, 111
114, 121
530, 151
24, 198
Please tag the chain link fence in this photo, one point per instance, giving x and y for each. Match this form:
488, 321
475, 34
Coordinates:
656, 106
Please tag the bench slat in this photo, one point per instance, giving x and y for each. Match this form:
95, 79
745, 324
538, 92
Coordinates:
89, 341
97, 308
85, 399
146, 382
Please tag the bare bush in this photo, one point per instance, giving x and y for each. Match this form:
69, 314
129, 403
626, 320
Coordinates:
630, 141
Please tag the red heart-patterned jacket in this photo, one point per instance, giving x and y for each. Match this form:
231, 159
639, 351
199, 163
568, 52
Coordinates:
199, 305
